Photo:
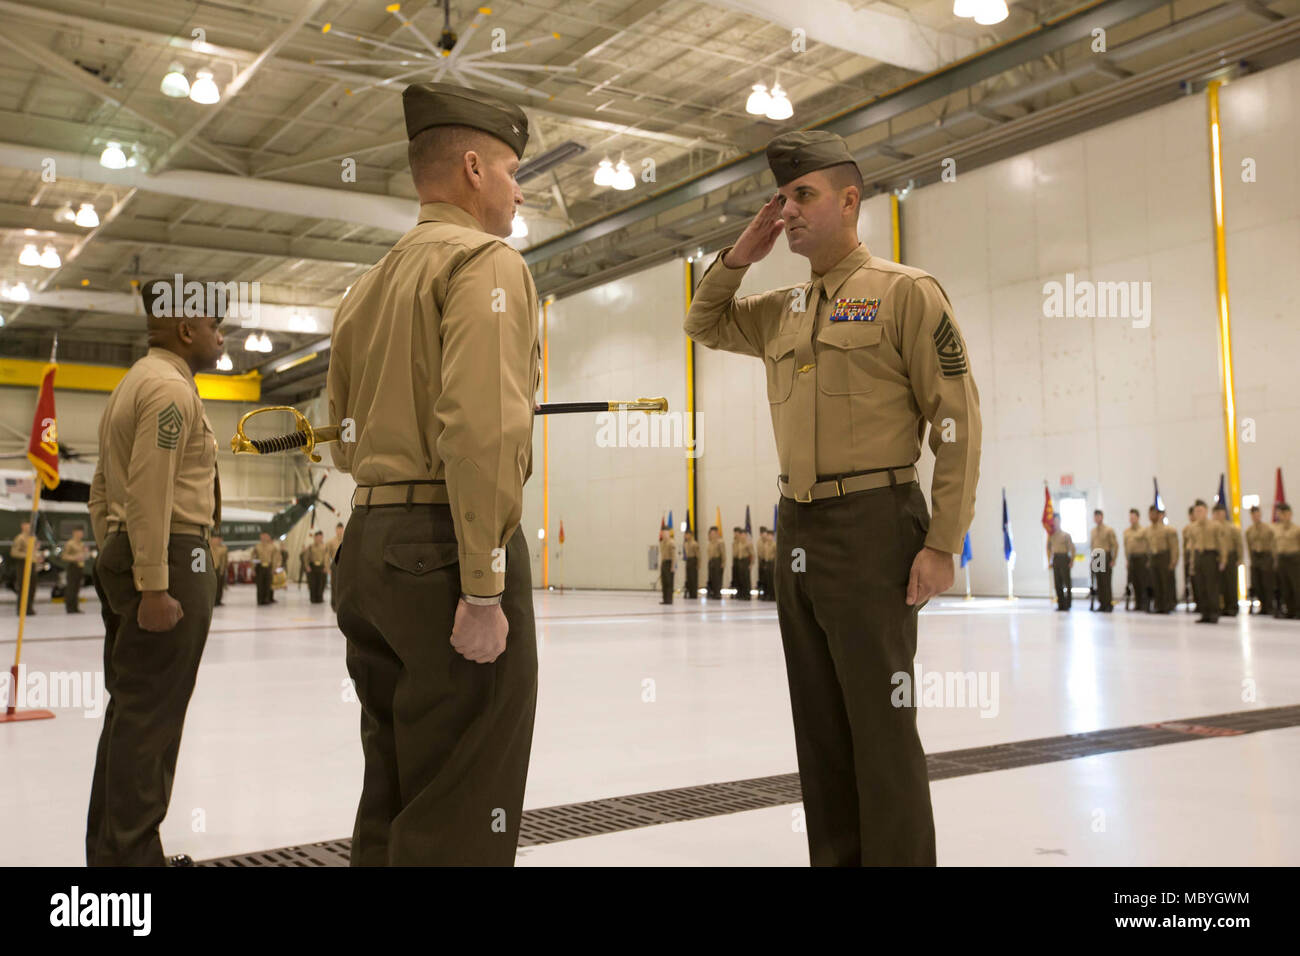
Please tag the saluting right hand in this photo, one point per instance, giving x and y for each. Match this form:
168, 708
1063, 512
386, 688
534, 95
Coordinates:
759, 236
479, 632
159, 611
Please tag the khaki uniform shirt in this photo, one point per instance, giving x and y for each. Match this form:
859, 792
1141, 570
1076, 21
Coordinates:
1136, 542
157, 462
1232, 540
18, 549
717, 550
1104, 538
220, 556
1260, 538
1204, 536
315, 554
434, 356
665, 549
1169, 541
267, 553
691, 549
331, 549
769, 549
1060, 542
75, 552
855, 395
1286, 537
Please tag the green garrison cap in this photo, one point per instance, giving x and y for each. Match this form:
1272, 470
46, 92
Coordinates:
447, 104
795, 154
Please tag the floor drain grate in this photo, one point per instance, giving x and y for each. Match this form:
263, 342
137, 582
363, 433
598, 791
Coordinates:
615, 814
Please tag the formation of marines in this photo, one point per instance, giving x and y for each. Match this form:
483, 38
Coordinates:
1211, 551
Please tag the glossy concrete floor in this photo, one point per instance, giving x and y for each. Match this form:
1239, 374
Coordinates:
637, 697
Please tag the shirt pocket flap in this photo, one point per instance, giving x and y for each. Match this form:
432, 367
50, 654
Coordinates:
851, 335
421, 557
781, 346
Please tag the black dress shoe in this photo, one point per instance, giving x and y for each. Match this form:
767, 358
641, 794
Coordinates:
180, 859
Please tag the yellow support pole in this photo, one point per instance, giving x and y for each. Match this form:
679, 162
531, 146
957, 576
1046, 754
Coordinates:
546, 450
1225, 325
689, 278
893, 225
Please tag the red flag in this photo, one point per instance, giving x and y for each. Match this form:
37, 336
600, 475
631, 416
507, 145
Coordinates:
1279, 495
43, 449
561, 531
1048, 513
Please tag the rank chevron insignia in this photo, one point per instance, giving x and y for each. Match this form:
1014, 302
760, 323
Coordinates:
169, 427
952, 353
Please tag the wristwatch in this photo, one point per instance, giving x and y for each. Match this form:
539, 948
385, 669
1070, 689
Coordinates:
481, 601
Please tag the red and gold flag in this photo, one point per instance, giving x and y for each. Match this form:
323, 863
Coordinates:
43, 449
1048, 512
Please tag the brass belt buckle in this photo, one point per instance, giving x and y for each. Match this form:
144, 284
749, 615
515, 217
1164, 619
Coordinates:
839, 488
804, 500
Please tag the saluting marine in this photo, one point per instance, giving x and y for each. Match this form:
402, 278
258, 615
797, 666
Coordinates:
433, 572
154, 500
858, 359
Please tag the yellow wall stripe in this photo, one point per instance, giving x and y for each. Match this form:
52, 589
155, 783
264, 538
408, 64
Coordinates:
104, 378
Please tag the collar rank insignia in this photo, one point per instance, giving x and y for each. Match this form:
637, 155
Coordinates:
855, 310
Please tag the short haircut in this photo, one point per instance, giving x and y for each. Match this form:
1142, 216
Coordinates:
1218, 506
1200, 503
842, 175
1097, 512
437, 150
1134, 511
1254, 509
1283, 506
339, 525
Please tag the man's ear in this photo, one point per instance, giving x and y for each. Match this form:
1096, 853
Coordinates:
185, 330
474, 168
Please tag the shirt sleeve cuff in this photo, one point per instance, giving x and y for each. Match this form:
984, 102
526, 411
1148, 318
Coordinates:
478, 578
941, 540
151, 578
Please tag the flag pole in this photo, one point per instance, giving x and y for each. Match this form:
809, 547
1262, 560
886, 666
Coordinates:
11, 713
967, 570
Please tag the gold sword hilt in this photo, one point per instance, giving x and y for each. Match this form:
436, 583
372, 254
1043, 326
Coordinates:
305, 437
641, 405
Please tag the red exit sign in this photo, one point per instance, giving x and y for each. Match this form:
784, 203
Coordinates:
1067, 481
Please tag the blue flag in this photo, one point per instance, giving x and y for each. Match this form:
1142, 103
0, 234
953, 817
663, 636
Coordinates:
774, 519
965, 550
1158, 501
1221, 498
670, 519
1008, 549
748, 528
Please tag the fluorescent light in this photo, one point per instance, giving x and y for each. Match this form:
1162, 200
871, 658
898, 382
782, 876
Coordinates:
518, 228
623, 178
86, 216
174, 83
112, 157
264, 345
29, 256
65, 213
19, 292
990, 12
203, 89
224, 364
250, 343
758, 101
604, 173
965, 8
50, 258
779, 107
